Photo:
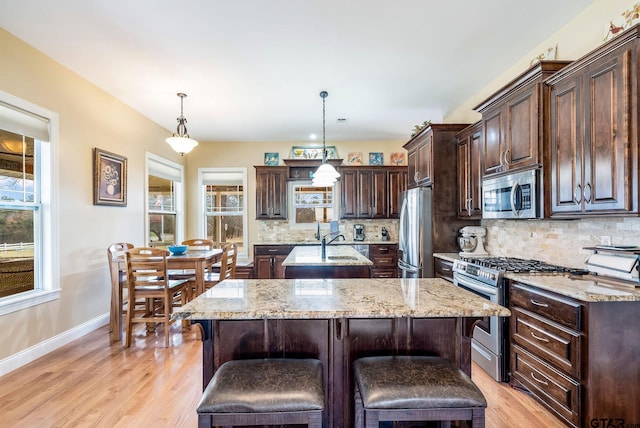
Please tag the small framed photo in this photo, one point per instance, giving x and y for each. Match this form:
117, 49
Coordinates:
398, 158
313, 152
376, 158
354, 158
109, 178
271, 159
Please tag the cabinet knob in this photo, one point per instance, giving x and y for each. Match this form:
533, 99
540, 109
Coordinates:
587, 192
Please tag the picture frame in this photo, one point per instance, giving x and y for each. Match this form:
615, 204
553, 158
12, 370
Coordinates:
271, 158
313, 152
109, 178
398, 158
354, 158
376, 158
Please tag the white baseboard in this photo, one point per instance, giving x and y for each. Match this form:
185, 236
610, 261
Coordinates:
43, 348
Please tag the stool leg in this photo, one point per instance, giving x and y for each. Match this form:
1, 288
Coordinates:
478, 418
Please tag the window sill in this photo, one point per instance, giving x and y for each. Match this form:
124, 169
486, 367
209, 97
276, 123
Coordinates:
26, 300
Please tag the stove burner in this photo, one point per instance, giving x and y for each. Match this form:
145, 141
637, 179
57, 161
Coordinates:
516, 265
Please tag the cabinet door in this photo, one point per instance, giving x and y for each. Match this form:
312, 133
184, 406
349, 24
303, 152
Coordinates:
380, 193
262, 266
348, 193
364, 194
278, 269
493, 141
470, 172
522, 143
566, 146
464, 197
412, 162
423, 162
271, 193
607, 181
397, 184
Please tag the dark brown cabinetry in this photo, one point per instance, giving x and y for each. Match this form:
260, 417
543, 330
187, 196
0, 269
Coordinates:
267, 260
593, 152
271, 192
430, 151
514, 121
385, 260
575, 357
371, 191
443, 269
470, 172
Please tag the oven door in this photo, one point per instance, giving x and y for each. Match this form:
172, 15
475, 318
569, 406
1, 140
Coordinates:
487, 331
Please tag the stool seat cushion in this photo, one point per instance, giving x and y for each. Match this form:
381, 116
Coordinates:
265, 385
414, 382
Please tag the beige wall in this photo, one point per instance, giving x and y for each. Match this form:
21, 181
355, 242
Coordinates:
88, 118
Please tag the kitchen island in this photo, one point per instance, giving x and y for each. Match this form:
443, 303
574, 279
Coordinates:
335, 321
340, 261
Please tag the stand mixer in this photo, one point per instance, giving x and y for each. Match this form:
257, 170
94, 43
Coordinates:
472, 241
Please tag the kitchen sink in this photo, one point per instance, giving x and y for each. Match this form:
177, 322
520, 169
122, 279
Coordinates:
342, 258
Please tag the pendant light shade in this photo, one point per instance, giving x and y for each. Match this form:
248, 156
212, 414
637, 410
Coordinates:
180, 141
326, 175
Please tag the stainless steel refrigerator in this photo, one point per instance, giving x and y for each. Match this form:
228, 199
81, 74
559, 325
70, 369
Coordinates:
429, 224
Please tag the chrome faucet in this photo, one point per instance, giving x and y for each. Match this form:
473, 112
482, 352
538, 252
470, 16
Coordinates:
325, 243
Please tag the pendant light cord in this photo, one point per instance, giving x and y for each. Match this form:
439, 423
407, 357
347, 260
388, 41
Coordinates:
324, 95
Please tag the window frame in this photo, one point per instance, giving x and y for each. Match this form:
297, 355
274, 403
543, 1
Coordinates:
152, 160
291, 204
46, 231
202, 214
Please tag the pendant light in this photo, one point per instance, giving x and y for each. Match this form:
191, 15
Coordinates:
326, 175
181, 142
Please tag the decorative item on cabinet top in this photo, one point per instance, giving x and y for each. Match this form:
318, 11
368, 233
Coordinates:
416, 129
313, 152
376, 158
271, 159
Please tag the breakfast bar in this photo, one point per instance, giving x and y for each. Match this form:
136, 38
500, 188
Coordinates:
331, 261
336, 321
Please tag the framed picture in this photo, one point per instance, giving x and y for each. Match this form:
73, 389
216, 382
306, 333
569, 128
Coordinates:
354, 158
109, 178
398, 158
271, 159
313, 152
376, 158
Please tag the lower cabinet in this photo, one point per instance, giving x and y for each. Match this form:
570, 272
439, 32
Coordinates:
577, 358
267, 260
443, 269
385, 260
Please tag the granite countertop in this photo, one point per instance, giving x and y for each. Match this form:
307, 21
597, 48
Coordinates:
337, 255
447, 256
316, 242
336, 298
585, 288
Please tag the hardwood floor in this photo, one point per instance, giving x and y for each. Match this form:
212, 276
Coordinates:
92, 383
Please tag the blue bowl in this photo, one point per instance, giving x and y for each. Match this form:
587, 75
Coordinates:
178, 249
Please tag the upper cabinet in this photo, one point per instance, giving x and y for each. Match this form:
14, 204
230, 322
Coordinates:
371, 191
430, 150
513, 121
593, 152
271, 192
470, 172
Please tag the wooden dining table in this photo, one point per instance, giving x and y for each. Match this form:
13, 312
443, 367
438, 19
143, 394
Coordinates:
197, 260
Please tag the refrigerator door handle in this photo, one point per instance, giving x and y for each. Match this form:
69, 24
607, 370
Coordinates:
403, 232
407, 267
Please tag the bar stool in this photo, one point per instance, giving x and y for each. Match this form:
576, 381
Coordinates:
414, 388
270, 391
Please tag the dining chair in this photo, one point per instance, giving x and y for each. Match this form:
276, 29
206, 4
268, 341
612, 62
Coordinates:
227, 266
147, 279
115, 251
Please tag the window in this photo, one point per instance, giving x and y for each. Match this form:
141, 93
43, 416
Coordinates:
223, 208
164, 202
28, 261
311, 205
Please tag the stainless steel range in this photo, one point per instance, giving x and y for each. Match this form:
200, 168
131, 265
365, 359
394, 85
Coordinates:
484, 277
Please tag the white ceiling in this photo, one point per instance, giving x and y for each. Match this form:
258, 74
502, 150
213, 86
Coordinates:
253, 69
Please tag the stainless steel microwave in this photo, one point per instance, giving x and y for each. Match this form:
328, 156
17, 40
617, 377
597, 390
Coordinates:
513, 196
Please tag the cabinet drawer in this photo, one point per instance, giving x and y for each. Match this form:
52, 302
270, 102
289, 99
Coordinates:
383, 250
547, 340
384, 273
563, 311
271, 250
443, 269
558, 392
383, 261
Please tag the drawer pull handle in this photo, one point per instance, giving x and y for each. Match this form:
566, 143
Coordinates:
538, 380
542, 339
544, 305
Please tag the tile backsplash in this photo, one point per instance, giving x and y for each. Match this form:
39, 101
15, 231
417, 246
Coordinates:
274, 231
558, 241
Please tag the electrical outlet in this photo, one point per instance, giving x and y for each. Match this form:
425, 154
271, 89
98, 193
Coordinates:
605, 240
